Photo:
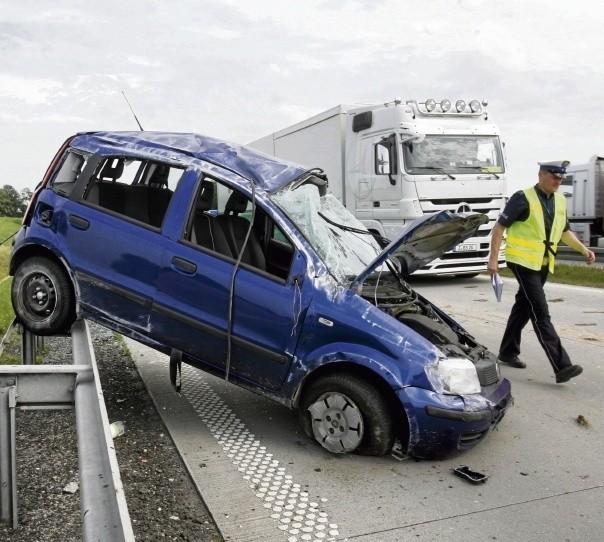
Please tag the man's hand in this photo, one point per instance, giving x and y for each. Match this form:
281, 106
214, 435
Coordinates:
496, 239
569, 238
589, 255
493, 267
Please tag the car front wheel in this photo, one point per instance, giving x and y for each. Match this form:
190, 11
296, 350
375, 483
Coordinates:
345, 413
42, 297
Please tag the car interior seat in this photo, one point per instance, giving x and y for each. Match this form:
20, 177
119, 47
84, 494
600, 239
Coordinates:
159, 177
112, 170
206, 231
157, 193
236, 227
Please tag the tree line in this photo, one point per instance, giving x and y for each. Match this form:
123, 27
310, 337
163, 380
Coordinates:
13, 203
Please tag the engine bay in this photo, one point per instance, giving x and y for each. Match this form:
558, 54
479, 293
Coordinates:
396, 297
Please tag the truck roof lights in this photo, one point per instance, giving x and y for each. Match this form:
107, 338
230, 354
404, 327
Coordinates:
475, 106
447, 107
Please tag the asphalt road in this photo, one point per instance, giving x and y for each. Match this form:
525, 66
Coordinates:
263, 480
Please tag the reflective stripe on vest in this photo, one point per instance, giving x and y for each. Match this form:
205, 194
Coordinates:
526, 241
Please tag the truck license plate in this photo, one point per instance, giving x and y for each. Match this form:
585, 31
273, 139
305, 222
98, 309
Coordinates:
465, 247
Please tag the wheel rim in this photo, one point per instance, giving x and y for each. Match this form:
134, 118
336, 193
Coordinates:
39, 296
337, 422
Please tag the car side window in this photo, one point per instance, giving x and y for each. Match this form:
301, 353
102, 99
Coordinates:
136, 189
220, 223
68, 171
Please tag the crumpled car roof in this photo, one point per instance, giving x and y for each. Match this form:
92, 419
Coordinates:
266, 172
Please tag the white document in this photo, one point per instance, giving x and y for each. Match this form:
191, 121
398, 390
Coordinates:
497, 285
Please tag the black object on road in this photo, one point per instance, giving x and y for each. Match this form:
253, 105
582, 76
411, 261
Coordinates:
471, 476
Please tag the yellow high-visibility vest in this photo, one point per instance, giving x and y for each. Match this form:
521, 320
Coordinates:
526, 241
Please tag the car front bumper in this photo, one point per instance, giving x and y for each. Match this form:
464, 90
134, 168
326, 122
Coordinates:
440, 425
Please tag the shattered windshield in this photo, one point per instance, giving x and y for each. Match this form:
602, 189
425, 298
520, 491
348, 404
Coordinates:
453, 155
345, 253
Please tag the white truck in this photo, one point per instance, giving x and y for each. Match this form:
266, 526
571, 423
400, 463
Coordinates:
391, 163
583, 186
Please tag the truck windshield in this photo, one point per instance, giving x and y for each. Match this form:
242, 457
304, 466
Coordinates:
345, 253
458, 154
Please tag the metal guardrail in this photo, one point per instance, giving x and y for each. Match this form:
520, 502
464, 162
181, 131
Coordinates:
567, 253
105, 515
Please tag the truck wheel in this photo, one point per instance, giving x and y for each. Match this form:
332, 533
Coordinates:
42, 297
344, 413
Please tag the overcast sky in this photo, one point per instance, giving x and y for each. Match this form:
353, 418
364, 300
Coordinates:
240, 69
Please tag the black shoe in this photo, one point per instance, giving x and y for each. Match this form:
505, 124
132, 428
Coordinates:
512, 362
567, 373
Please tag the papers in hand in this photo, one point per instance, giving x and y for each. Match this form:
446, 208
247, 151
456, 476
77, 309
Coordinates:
497, 285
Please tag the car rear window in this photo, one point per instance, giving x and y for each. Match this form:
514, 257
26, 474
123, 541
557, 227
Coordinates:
136, 189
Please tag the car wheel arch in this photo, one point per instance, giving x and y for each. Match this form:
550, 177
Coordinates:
32, 250
398, 413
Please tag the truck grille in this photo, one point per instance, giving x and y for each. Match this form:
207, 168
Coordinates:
487, 206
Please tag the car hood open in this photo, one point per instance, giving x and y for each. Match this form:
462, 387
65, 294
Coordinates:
424, 240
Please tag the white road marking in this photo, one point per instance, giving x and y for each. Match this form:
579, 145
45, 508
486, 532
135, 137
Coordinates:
294, 513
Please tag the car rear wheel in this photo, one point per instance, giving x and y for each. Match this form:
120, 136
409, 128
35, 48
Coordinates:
42, 297
344, 413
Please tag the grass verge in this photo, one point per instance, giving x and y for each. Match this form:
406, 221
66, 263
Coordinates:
577, 275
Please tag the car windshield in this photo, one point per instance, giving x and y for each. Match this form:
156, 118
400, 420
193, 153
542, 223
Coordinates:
453, 155
327, 225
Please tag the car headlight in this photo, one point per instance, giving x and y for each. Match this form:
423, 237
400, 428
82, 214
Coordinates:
454, 376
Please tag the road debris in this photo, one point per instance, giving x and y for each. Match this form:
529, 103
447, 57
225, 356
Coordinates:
583, 421
471, 476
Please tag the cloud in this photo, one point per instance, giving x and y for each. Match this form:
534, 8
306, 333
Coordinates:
27, 90
240, 70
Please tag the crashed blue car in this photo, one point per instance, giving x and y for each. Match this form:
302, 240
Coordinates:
246, 267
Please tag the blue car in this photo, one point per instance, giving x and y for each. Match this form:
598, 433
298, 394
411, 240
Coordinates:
246, 267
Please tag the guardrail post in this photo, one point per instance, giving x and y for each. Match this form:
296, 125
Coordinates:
105, 515
28, 346
8, 467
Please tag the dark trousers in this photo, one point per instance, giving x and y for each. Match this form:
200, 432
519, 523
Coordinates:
531, 305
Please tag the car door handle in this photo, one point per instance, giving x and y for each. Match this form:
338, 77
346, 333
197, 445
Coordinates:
184, 265
78, 222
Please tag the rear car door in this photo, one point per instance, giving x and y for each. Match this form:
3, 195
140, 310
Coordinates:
112, 239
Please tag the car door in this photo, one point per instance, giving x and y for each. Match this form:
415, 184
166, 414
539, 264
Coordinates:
113, 250
197, 291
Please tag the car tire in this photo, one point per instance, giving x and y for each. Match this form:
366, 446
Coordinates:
42, 297
344, 413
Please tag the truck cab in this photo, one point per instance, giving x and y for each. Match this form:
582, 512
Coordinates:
407, 160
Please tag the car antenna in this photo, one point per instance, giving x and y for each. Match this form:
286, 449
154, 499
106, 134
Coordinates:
135, 117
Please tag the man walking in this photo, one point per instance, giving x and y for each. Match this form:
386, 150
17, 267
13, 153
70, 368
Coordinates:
535, 219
